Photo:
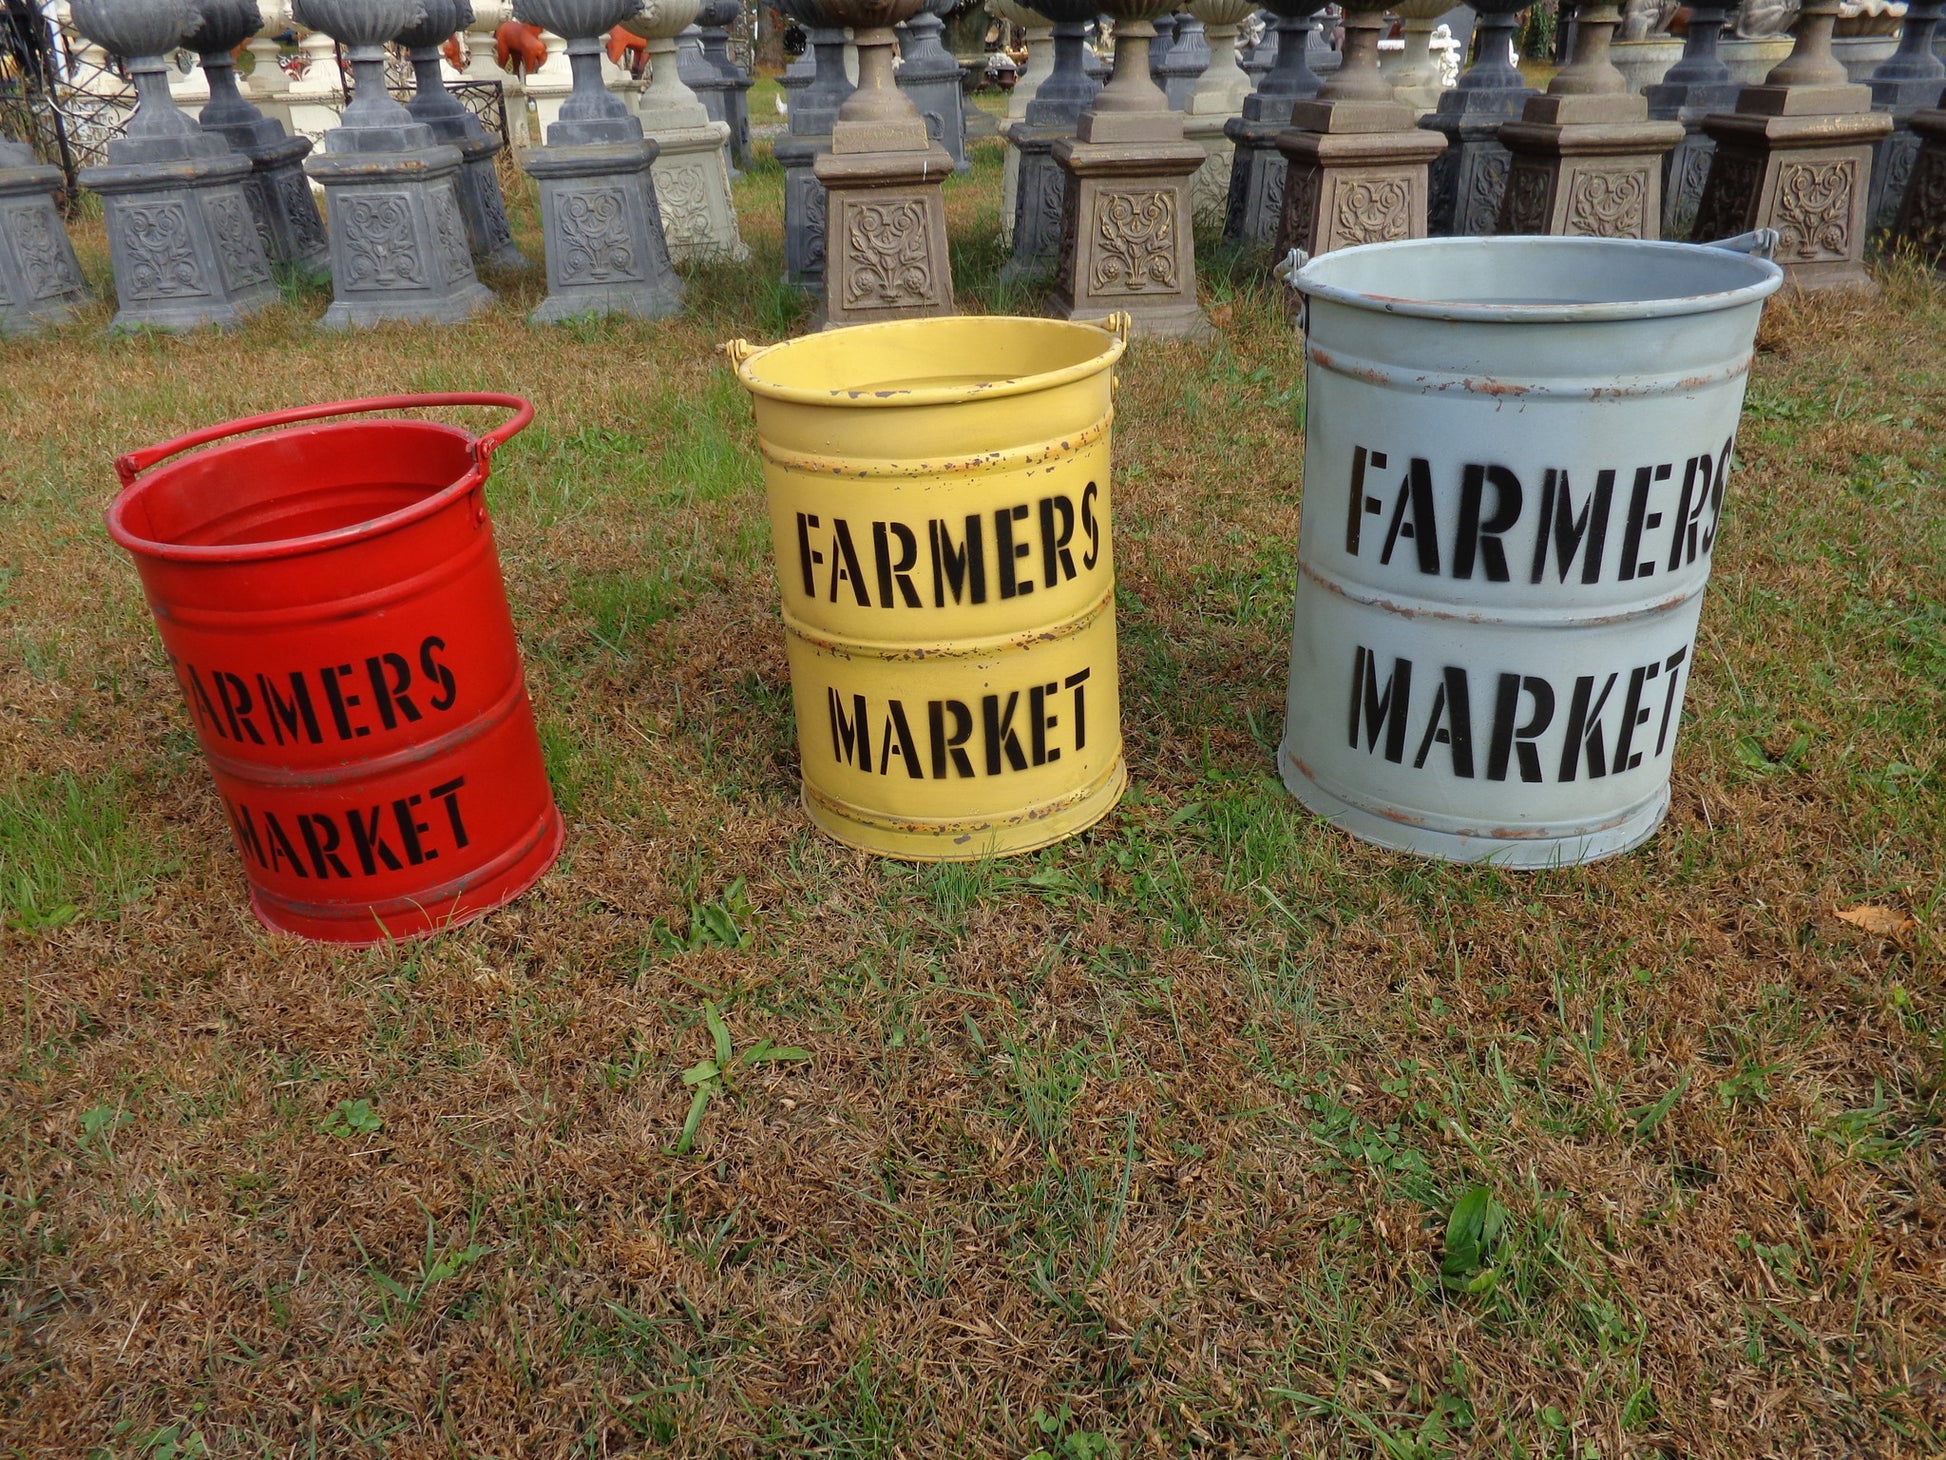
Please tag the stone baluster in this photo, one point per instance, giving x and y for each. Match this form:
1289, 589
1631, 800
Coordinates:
814, 107
1256, 201
1051, 117
1698, 84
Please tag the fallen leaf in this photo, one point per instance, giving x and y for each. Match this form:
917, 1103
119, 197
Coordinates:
1885, 921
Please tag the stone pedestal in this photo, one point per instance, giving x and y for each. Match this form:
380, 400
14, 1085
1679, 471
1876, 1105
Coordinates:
185, 246
286, 213
885, 228
1417, 80
1587, 160
1906, 83
1358, 162
1040, 64
1188, 57
1127, 242
930, 78
1470, 175
1052, 117
692, 180
1921, 221
1796, 155
482, 208
1217, 100
1698, 84
814, 111
1255, 206
40, 281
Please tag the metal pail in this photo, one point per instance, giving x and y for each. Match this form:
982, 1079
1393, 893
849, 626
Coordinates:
331, 602
939, 504
1515, 458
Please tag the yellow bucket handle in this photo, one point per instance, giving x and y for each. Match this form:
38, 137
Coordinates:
1116, 324
739, 350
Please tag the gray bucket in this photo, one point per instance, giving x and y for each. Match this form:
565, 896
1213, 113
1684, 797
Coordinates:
1514, 469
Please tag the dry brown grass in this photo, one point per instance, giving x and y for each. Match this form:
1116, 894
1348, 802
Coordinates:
1159, 1140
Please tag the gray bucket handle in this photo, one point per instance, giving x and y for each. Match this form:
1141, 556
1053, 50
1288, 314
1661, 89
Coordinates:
1759, 242
1286, 274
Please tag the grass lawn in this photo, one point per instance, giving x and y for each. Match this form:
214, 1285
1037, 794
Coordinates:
1211, 1131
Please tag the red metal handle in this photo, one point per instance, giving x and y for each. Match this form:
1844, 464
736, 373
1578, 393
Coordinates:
132, 464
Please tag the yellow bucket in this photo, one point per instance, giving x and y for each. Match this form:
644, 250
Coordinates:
939, 510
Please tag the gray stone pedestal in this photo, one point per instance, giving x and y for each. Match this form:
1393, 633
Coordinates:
185, 246
1587, 161
477, 184
1698, 84
1358, 164
1921, 221
1127, 241
931, 77
711, 88
40, 282
1796, 155
814, 110
1256, 202
286, 213
1186, 61
1907, 82
1468, 178
1052, 117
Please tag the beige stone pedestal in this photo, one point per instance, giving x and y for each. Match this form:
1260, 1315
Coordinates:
1796, 156
1586, 158
1358, 157
1127, 239
885, 219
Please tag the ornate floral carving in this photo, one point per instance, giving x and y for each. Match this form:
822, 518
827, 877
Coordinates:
1730, 194
595, 244
1814, 207
1892, 171
1297, 205
1482, 179
495, 232
1608, 204
682, 193
1209, 189
257, 193
815, 208
238, 243
1134, 242
300, 211
1372, 210
1052, 184
1686, 181
161, 255
46, 257
380, 246
449, 232
887, 262
1523, 205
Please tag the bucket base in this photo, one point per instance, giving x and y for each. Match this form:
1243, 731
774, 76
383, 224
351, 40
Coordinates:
920, 840
1524, 854
441, 910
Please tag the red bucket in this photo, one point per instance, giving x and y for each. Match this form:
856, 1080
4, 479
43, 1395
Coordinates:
331, 602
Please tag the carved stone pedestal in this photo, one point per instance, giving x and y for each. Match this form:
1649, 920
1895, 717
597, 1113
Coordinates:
1921, 220
1127, 242
184, 243
1796, 155
1040, 64
1217, 101
1586, 158
605, 249
286, 213
814, 111
1358, 164
692, 179
1255, 208
1470, 175
885, 214
477, 184
1184, 62
1906, 83
40, 282
1698, 84
1052, 116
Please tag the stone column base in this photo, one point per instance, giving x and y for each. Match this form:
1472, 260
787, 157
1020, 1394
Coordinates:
1892, 163
281, 201
398, 247
185, 247
885, 238
1254, 209
1127, 240
1921, 221
1684, 171
1468, 178
1037, 201
1358, 174
40, 281
804, 210
1586, 166
1801, 164
692, 189
482, 208
602, 231
1209, 189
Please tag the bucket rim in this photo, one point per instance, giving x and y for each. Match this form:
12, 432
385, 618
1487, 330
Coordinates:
1767, 278
746, 358
435, 501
